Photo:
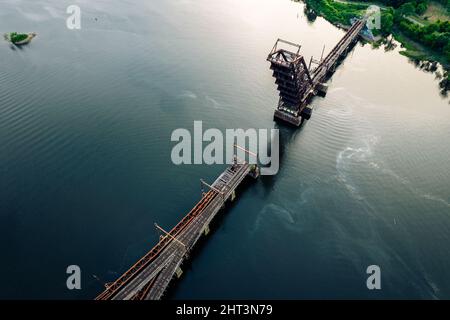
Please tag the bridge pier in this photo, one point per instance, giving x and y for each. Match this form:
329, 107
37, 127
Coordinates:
322, 89
254, 171
306, 113
179, 272
206, 230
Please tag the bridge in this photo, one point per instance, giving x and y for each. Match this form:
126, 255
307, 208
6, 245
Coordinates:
299, 83
149, 278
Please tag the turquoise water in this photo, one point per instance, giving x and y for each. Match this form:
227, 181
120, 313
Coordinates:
85, 123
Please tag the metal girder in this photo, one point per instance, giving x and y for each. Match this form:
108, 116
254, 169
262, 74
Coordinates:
138, 266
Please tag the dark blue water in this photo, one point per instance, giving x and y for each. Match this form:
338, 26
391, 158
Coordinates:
85, 123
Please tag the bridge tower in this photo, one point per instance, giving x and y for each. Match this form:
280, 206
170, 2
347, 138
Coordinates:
297, 83
293, 80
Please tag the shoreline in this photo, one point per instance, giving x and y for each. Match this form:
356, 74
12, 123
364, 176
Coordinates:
413, 49
409, 48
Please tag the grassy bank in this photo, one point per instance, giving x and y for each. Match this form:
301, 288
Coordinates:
336, 12
340, 12
417, 51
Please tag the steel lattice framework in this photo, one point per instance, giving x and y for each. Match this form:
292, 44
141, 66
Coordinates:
112, 288
297, 83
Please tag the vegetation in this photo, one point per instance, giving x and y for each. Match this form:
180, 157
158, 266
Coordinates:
15, 37
435, 36
337, 12
406, 19
422, 26
340, 12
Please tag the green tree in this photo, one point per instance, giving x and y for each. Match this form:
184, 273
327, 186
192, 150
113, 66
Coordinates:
407, 8
387, 22
421, 8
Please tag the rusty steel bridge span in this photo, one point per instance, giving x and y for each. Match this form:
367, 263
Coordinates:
149, 278
299, 83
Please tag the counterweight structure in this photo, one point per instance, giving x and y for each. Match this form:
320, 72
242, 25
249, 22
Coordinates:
296, 82
292, 79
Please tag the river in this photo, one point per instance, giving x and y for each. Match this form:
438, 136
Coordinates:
85, 123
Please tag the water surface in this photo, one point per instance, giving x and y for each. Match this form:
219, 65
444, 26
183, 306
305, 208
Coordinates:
85, 170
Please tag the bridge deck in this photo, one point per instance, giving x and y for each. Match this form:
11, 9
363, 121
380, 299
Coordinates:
340, 49
152, 276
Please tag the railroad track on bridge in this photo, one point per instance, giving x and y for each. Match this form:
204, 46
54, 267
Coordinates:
149, 278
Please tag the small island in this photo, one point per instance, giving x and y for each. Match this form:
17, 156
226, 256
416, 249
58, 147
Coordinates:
19, 38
